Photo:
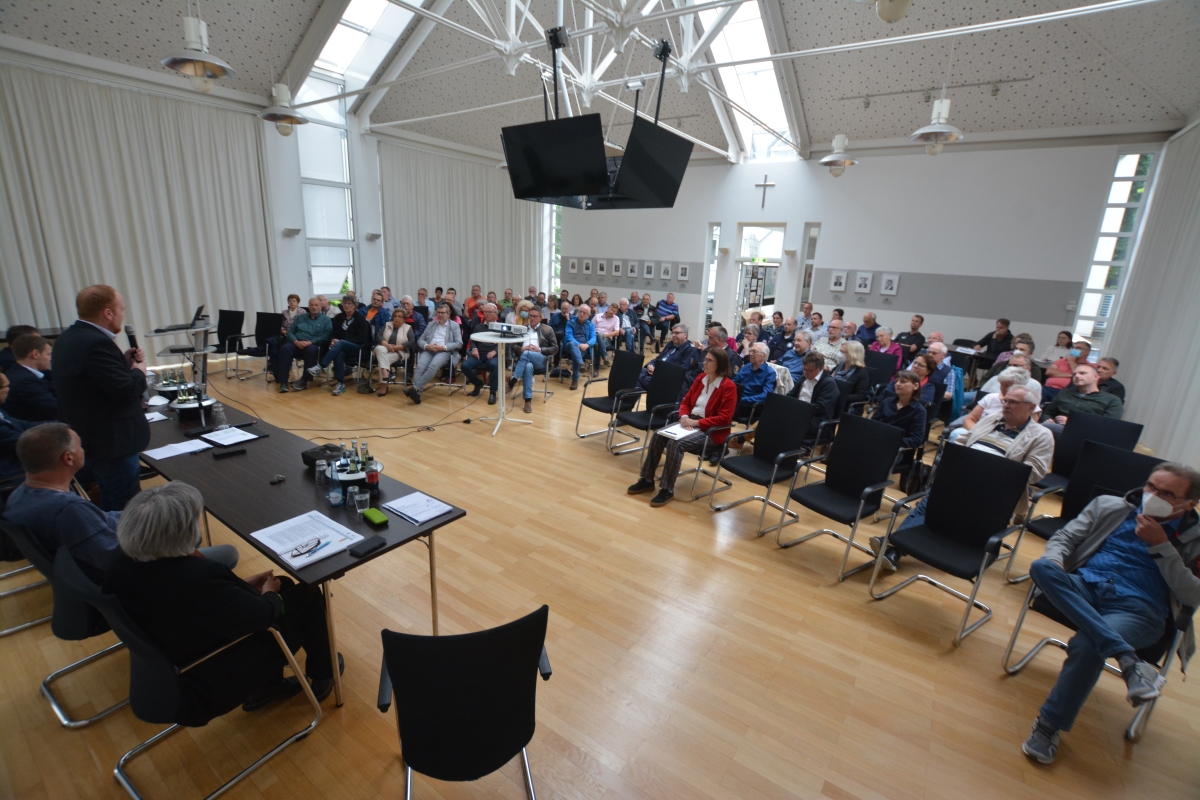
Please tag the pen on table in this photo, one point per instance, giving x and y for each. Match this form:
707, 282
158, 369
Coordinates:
318, 547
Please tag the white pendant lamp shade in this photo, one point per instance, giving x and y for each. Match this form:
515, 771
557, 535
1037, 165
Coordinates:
194, 61
837, 161
281, 113
892, 10
938, 132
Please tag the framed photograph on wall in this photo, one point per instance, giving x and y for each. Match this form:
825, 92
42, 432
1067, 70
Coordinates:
862, 282
602, 267
837, 280
616, 269
587, 266
648, 269
891, 284
664, 272
573, 266
682, 273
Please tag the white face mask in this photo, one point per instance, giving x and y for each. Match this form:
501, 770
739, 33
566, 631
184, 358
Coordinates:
1156, 507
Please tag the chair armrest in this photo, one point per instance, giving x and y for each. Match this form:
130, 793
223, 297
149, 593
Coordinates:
739, 434
904, 501
590, 381
993, 544
779, 459
622, 392
674, 415
384, 701
821, 430
801, 464
1040, 493
873, 488
544, 665
755, 412
716, 428
656, 409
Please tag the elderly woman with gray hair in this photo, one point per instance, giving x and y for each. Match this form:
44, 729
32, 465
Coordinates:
991, 403
190, 606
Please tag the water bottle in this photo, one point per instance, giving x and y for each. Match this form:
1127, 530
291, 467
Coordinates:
335, 489
219, 421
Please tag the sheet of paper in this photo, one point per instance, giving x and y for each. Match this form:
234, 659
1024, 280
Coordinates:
154, 416
418, 507
967, 351
284, 537
178, 449
675, 431
229, 436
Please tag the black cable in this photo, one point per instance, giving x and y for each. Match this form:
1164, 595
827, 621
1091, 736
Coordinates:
229, 399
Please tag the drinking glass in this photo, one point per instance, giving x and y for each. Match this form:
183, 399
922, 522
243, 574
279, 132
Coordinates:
352, 497
322, 469
362, 500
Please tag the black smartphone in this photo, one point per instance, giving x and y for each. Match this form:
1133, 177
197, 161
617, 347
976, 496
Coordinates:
367, 546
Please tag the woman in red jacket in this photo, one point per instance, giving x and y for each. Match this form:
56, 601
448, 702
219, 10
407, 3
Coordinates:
708, 404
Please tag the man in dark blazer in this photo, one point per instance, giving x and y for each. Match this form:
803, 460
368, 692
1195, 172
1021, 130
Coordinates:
31, 394
818, 388
100, 393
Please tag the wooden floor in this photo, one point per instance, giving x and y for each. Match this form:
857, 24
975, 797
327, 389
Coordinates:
691, 659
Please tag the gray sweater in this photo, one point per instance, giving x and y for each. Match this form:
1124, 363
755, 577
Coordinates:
1080, 538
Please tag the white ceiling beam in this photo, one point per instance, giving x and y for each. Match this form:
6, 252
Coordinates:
451, 24
712, 33
401, 60
467, 62
312, 43
486, 18
460, 112
793, 104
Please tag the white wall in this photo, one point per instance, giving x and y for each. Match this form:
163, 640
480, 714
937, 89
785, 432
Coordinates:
1029, 214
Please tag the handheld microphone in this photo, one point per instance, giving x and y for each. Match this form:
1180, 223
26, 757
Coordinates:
132, 337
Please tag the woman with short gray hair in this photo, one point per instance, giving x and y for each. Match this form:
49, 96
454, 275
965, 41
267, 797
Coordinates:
190, 606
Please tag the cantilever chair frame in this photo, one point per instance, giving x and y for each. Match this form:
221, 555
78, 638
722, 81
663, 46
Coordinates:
699, 469
1137, 725
27, 587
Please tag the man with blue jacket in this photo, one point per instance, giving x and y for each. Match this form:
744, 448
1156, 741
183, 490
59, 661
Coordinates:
304, 339
756, 379
579, 339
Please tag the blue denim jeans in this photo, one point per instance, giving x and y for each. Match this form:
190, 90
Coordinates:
471, 364
576, 356
1108, 624
337, 354
629, 337
524, 368
118, 479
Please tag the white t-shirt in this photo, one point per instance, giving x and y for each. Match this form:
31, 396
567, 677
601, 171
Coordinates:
701, 405
991, 403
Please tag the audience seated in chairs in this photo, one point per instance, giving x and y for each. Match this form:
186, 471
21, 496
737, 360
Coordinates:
782, 339
438, 348
718, 338
608, 331
31, 394
1083, 396
902, 409
991, 382
819, 388
775, 326
7, 358
1107, 368
668, 316
867, 332
883, 344
756, 378
11, 429
483, 354
925, 366
944, 371
1060, 373
756, 319
817, 326
850, 331
540, 343
190, 606
579, 341
1060, 349
912, 341
351, 333
852, 371
678, 351
393, 345
377, 313
305, 337
990, 403
998, 341
1117, 571
831, 345
629, 323
793, 357
1010, 432
55, 516
746, 339
708, 405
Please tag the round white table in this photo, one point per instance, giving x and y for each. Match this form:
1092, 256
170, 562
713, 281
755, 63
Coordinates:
503, 341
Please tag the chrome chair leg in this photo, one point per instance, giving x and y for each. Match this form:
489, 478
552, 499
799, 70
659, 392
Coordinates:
528, 775
407, 782
1013, 669
60, 712
10, 592
16, 571
963, 630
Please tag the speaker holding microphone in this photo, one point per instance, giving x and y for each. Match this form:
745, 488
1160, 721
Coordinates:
132, 334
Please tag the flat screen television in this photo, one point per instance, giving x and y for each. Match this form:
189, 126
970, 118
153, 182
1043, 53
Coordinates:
557, 161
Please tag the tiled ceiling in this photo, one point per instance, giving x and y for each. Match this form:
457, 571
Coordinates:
1138, 67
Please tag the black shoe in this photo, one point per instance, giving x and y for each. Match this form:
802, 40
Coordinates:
413, 394
491, 398
714, 459
282, 690
477, 390
662, 498
323, 688
641, 487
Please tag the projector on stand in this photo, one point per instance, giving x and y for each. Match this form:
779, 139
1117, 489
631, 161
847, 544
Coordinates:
504, 329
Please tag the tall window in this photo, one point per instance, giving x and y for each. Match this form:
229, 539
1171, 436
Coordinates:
362, 38
809, 254
556, 249
325, 179
759, 255
1120, 223
710, 266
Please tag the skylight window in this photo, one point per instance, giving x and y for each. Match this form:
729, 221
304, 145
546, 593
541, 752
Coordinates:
752, 86
362, 39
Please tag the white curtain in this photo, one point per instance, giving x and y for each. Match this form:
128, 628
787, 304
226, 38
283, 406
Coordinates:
453, 222
1161, 299
161, 198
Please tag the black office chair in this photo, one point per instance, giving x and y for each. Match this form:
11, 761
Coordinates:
1160, 654
467, 703
778, 445
964, 527
74, 619
9, 551
662, 397
156, 684
621, 381
229, 334
1101, 469
1080, 428
266, 336
422, 309
856, 473
881, 367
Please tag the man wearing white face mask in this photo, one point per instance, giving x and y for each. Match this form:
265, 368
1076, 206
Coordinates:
1117, 571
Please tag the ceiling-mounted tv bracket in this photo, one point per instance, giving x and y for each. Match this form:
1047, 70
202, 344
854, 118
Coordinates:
662, 53
557, 38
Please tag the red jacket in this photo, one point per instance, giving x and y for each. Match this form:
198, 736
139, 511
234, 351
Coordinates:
718, 410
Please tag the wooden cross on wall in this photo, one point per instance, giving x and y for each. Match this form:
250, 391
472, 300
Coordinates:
764, 186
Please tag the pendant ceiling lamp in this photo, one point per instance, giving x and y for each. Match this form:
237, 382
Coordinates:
281, 111
194, 61
837, 161
938, 131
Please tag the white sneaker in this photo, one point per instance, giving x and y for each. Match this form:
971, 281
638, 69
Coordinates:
314, 370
